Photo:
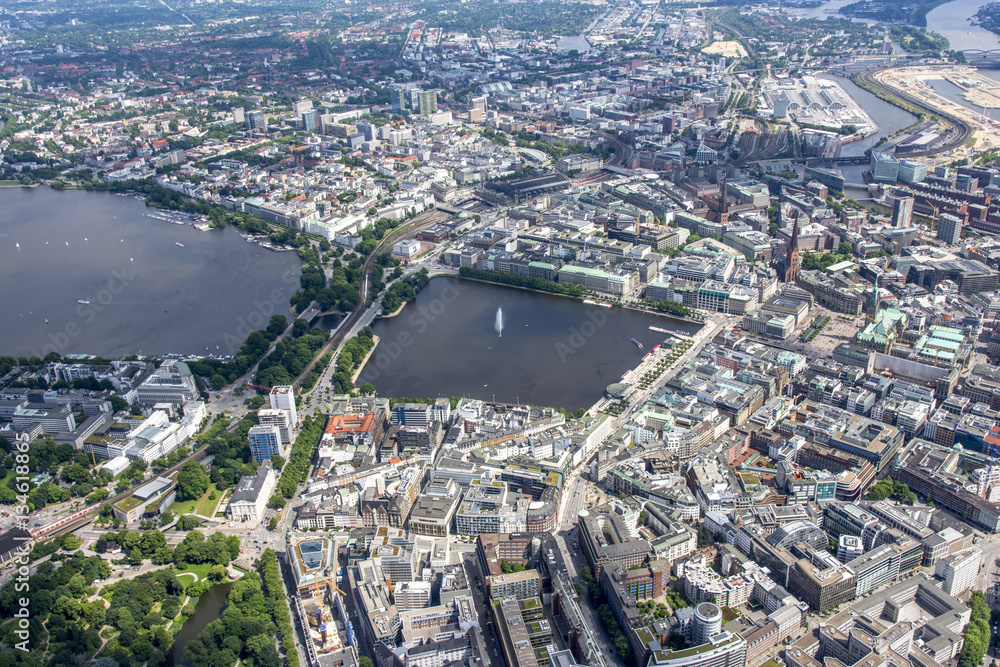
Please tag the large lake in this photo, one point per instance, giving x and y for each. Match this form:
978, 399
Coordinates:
554, 350
146, 293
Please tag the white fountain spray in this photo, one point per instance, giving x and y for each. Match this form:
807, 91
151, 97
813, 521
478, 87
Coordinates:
498, 325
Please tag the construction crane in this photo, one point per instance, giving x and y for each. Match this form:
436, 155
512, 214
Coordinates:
257, 386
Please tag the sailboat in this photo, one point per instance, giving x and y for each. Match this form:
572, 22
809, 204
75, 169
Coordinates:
17, 245
67, 244
84, 238
122, 241
130, 259
46, 243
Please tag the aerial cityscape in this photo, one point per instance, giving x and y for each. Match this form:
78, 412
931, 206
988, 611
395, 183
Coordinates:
495, 333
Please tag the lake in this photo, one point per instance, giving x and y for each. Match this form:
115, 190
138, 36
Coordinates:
209, 608
152, 286
553, 350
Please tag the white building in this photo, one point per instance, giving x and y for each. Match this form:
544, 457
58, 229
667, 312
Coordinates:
252, 494
170, 383
959, 570
283, 398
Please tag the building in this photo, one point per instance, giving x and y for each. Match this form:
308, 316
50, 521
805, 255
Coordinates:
822, 581
959, 571
283, 398
725, 649
265, 442
278, 419
949, 229
521, 585
792, 257
172, 382
251, 495
902, 212
605, 540
885, 168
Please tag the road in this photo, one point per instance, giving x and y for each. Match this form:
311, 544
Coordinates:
419, 223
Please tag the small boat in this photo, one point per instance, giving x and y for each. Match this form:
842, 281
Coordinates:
180, 244
46, 320
67, 244
130, 259
17, 245
85, 238
122, 241
46, 243
83, 301
637, 343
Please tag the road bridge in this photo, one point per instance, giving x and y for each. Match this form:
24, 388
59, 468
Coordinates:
986, 59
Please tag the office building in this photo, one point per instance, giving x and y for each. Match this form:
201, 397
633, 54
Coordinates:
725, 649
255, 121
959, 571
428, 102
170, 383
265, 442
707, 623
280, 420
902, 212
949, 229
521, 585
283, 398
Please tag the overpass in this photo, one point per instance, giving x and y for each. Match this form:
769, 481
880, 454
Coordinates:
986, 59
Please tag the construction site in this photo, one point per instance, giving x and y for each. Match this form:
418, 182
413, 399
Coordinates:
979, 113
320, 602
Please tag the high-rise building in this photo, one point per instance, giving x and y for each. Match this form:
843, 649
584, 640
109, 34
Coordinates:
959, 570
265, 442
949, 228
279, 419
428, 102
283, 398
309, 120
255, 120
707, 623
792, 258
902, 211
238, 115
301, 107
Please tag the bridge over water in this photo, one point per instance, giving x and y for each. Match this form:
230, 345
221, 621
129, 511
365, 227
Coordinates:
979, 58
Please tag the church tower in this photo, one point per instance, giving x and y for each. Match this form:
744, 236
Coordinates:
792, 258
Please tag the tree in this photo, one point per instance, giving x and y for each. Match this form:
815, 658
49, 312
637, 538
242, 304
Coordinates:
217, 573
277, 501
117, 403
845, 248
278, 461
192, 481
272, 524
365, 661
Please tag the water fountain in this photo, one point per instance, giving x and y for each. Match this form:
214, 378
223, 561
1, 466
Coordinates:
498, 324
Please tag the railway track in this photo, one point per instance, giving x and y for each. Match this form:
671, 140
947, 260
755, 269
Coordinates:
419, 223
964, 130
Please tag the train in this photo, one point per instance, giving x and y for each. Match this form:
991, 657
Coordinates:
45, 530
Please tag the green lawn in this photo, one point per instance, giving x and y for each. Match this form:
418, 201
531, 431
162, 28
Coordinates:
201, 506
201, 570
7, 183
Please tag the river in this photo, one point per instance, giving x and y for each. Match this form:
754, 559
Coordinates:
209, 608
152, 286
553, 350
950, 20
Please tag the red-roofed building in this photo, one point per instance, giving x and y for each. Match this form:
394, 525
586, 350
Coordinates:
361, 430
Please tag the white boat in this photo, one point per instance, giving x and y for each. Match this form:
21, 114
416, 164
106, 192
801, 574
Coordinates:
122, 241
180, 244
83, 301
